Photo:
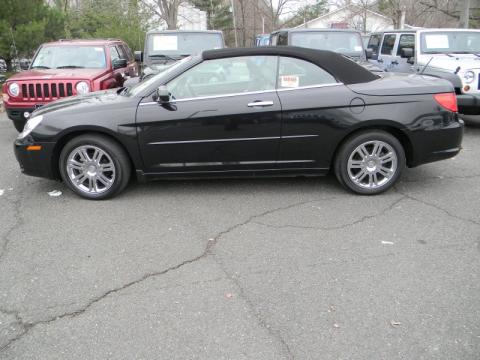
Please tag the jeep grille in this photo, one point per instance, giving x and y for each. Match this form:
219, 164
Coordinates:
46, 91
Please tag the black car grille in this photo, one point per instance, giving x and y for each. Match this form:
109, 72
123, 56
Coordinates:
46, 91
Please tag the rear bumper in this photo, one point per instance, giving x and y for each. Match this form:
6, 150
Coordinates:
35, 163
468, 104
437, 144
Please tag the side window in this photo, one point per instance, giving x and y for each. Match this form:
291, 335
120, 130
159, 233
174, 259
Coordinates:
293, 73
121, 52
282, 38
128, 52
388, 44
114, 55
226, 76
374, 42
406, 41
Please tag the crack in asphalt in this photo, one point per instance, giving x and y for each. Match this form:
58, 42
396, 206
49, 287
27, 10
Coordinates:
337, 227
27, 326
18, 222
439, 208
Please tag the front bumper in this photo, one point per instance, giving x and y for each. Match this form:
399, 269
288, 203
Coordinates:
16, 113
468, 104
35, 163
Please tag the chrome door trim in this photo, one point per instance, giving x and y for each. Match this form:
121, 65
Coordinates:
260, 103
230, 139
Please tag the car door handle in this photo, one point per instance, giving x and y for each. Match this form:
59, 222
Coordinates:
260, 103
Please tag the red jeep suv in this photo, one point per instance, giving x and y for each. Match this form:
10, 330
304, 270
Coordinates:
66, 68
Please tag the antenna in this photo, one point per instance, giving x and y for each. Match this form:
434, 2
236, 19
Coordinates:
421, 72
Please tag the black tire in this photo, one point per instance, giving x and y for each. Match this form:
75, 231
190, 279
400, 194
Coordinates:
348, 148
117, 154
19, 124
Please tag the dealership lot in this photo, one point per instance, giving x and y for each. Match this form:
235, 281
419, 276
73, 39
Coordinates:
243, 269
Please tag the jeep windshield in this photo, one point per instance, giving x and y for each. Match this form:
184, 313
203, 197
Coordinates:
70, 57
450, 42
346, 43
177, 45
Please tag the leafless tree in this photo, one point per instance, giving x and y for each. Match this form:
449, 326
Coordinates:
166, 10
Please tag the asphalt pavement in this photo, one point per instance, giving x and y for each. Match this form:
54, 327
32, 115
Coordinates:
242, 269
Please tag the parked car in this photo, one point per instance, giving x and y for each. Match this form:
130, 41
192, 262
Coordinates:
451, 54
24, 63
343, 41
66, 68
262, 40
3, 66
279, 111
3, 78
164, 48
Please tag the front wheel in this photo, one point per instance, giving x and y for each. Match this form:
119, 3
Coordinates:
370, 162
94, 166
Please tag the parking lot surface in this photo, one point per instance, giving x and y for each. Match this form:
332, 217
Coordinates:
243, 269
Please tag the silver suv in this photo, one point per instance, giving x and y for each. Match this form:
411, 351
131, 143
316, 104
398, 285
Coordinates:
451, 54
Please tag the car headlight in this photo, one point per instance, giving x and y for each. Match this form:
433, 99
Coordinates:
14, 89
82, 88
30, 125
468, 77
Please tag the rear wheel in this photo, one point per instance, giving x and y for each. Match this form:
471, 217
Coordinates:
370, 162
19, 124
94, 166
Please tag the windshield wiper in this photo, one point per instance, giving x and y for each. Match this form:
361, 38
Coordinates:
162, 56
40, 67
70, 67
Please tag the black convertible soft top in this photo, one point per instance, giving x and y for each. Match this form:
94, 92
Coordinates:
343, 69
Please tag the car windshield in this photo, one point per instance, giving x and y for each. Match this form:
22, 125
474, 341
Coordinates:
182, 44
70, 57
348, 43
450, 42
141, 86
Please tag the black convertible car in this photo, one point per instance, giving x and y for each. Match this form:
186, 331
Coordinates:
264, 111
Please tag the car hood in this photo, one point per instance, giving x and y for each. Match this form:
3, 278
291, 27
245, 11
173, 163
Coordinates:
445, 62
60, 74
81, 101
402, 84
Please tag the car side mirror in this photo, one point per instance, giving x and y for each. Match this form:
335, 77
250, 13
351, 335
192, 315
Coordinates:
119, 63
162, 95
406, 53
138, 56
368, 53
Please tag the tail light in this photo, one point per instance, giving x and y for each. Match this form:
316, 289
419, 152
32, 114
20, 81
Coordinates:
447, 100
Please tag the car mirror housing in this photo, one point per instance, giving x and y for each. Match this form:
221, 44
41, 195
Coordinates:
368, 53
162, 95
138, 56
406, 53
119, 63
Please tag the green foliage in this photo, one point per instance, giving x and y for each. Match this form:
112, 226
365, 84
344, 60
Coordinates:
123, 19
307, 13
219, 16
29, 24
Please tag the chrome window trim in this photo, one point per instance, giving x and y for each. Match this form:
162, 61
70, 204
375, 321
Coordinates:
244, 93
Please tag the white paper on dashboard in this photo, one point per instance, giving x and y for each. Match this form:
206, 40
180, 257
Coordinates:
437, 41
165, 43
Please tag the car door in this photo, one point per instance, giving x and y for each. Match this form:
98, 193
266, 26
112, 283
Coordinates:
405, 41
119, 73
386, 55
314, 105
224, 115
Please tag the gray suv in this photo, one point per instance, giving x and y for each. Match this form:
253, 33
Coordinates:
451, 54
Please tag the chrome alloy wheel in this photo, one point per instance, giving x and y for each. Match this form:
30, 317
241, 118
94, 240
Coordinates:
372, 164
90, 169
